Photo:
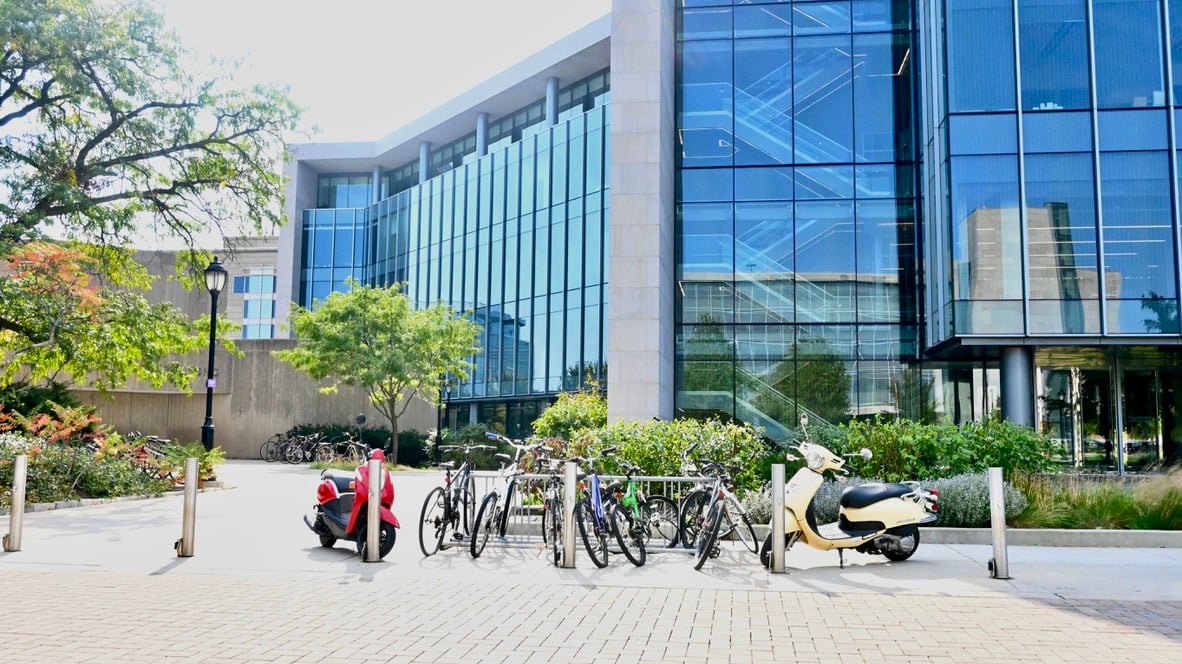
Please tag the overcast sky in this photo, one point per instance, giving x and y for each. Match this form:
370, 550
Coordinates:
363, 68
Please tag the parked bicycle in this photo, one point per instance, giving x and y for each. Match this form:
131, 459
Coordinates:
451, 506
639, 515
591, 513
712, 513
497, 504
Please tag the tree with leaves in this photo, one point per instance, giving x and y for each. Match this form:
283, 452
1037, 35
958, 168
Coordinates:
109, 126
374, 339
61, 326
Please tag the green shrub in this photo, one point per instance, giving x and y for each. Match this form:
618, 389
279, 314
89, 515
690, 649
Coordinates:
59, 472
907, 450
571, 414
656, 446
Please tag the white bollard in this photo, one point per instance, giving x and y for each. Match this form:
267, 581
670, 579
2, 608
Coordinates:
569, 481
777, 535
20, 470
374, 516
999, 565
189, 518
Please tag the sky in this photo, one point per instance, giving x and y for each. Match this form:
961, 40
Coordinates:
363, 68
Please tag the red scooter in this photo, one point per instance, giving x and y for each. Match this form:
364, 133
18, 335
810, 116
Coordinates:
342, 508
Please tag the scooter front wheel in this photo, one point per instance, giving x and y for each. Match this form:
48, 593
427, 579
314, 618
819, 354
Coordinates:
385, 539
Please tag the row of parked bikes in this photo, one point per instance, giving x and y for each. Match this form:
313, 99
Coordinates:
610, 516
316, 446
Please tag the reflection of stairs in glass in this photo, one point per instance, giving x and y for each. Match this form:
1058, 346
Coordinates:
756, 261
723, 401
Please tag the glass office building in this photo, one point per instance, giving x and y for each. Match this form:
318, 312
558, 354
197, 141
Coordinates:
842, 208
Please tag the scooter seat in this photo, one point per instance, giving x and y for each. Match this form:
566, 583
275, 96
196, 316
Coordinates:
343, 481
868, 494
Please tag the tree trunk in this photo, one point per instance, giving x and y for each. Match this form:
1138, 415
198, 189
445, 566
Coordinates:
393, 458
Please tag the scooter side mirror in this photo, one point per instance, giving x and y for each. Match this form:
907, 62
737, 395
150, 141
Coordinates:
866, 454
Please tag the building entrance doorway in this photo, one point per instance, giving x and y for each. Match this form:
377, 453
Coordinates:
1123, 417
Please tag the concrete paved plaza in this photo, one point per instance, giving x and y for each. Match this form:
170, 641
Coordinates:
103, 584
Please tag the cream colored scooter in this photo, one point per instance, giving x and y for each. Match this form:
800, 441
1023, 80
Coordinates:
874, 518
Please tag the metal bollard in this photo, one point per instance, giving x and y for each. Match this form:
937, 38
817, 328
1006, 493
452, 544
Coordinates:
999, 565
569, 480
189, 519
374, 517
777, 535
16, 518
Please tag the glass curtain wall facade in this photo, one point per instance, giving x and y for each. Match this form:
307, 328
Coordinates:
1052, 209
517, 237
796, 209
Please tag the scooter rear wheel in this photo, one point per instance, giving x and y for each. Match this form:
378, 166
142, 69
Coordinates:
327, 541
909, 543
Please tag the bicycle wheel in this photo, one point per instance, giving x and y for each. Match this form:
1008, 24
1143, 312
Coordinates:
585, 515
628, 532
323, 453
269, 451
706, 538
485, 524
432, 525
293, 453
659, 516
355, 453
744, 531
503, 522
552, 529
691, 515
467, 505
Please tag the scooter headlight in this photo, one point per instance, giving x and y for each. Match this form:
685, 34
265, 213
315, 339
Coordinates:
814, 460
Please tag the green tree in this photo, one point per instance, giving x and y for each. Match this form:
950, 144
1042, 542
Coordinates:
111, 126
62, 325
374, 339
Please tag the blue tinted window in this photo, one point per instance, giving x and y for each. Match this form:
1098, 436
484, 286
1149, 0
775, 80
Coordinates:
1061, 229
982, 134
706, 184
1130, 67
239, 284
258, 309
815, 18
705, 104
1057, 132
763, 112
706, 23
763, 21
986, 231
979, 39
822, 99
1137, 220
1133, 130
882, 97
763, 184
1054, 54
824, 182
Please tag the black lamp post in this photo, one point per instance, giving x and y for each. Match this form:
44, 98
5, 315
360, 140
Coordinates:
215, 281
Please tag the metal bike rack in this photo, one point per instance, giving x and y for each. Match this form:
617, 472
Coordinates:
374, 515
569, 480
777, 562
999, 566
12, 541
184, 546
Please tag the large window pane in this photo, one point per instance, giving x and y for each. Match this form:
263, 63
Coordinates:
1137, 229
764, 263
1057, 132
825, 267
1129, 62
1061, 237
882, 97
763, 101
986, 235
885, 255
705, 262
979, 38
823, 107
705, 103
1054, 54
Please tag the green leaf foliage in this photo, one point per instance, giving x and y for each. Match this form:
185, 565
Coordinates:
374, 339
910, 450
571, 414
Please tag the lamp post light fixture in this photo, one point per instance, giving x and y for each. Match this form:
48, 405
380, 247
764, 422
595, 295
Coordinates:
215, 281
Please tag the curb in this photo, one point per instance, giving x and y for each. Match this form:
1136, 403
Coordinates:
90, 502
1097, 538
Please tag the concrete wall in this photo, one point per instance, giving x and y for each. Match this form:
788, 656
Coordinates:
256, 396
